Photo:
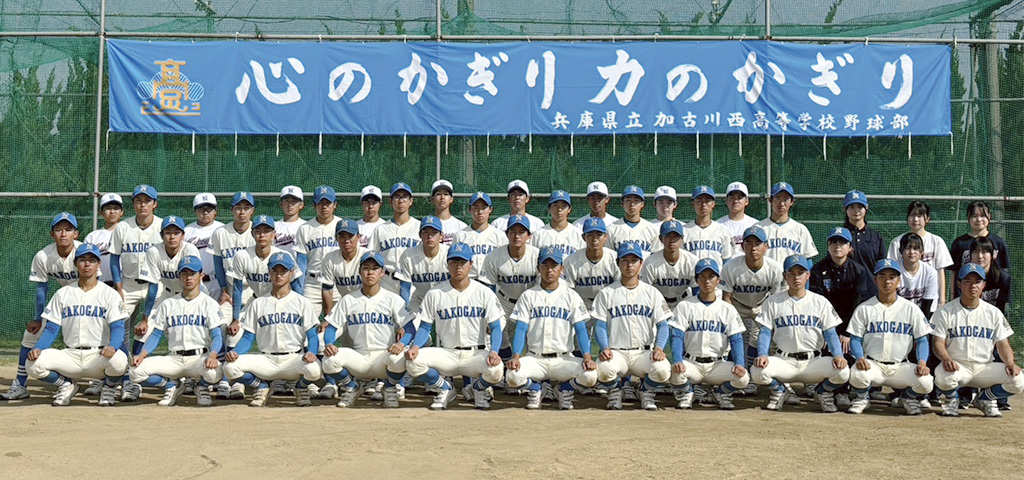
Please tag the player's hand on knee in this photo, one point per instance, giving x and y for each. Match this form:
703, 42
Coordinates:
513, 363
33, 354
108, 351
493, 359
678, 368
605, 355
922, 369
396, 348
412, 353
211, 361
588, 363
1012, 369
950, 365
330, 350
33, 326
322, 327
845, 342
761, 362
862, 364
309, 357
231, 356
658, 354
738, 370
233, 327
142, 326
139, 358
839, 362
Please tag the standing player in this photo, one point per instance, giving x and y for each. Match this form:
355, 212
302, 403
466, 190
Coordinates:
231, 238
665, 203
161, 270
468, 319
705, 331
283, 326
339, 273
91, 317
934, 250
632, 227
545, 318
512, 270
313, 242
370, 199
671, 269
706, 238
737, 221
786, 236
111, 209
559, 233
589, 270
800, 323
292, 203
442, 198
868, 246
632, 330
396, 235
372, 318
55, 261
965, 332
425, 265
200, 232
480, 236
597, 200
883, 330
919, 282
249, 273
518, 197
193, 324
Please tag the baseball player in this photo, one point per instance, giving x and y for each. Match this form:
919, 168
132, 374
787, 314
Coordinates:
161, 269
883, 330
441, 196
562, 235
868, 246
316, 239
786, 236
372, 318
111, 209
737, 221
597, 200
748, 281
425, 265
370, 199
934, 250
396, 235
340, 269
919, 282
468, 319
705, 331
665, 203
193, 323
283, 326
91, 316
518, 197
55, 261
249, 273
632, 330
229, 239
292, 202
965, 332
706, 238
546, 318
512, 270
200, 232
671, 269
480, 236
800, 322
590, 269
632, 227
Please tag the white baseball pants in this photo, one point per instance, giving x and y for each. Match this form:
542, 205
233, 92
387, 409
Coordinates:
811, 371
715, 373
175, 366
559, 369
77, 364
372, 364
980, 375
898, 376
450, 362
633, 362
273, 367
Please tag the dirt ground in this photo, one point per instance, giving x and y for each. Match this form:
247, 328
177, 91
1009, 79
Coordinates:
280, 441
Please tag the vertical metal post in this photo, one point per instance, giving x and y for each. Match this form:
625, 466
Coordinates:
437, 18
437, 160
767, 18
99, 117
768, 138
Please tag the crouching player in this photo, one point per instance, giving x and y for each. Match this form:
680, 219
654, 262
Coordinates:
705, 331
546, 316
372, 318
281, 324
91, 316
193, 324
882, 332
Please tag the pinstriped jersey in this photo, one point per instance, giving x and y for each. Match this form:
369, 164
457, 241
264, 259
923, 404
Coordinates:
460, 319
162, 269
85, 317
481, 242
280, 324
509, 276
713, 241
48, 264
342, 275
253, 271
550, 318
422, 272
632, 314
371, 322
970, 334
706, 327
673, 280
587, 277
132, 242
316, 240
785, 239
798, 324
888, 331
750, 289
187, 323
567, 241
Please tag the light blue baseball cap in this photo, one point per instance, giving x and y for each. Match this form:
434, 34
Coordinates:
324, 192
855, 197
349, 226
635, 191
88, 249
145, 190
594, 224
756, 232
64, 217
281, 258
783, 187
400, 186
840, 232
243, 197
460, 250
970, 268
560, 196
264, 220
518, 220
671, 226
172, 221
702, 190
190, 262
550, 252
431, 221
629, 248
375, 256
707, 264
480, 196
796, 261
887, 264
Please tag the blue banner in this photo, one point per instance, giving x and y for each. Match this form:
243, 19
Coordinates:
553, 88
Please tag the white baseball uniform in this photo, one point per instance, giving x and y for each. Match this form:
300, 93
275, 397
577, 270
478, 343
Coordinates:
101, 238
608, 220
132, 242
923, 285
888, 334
736, 229
749, 289
423, 272
252, 270
673, 280
970, 336
162, 269
643, 234
632, 315
280, 325
935, 252
285, 234
48, 264
391, 240
315, 240
713, 241
371, 323
706, 330
785, 239
587, 277
186, 325
568, 240
342, 275
482, 242
450, 228
366, 231
200, 237
510, 277
501, 223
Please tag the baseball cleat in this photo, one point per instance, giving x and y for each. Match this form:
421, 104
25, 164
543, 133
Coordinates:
259, 397
534, 398
843, 400
911, 405
94, 389
171, 395
329, 391
279, 387
442, 399
750, 390
65, 392
950, 407
549, 392
565, 398
777, 400
791, 396
925, 403
378, 390
401, 391
467, 392
629, 393
302, 397
223, 390
108, 395
647, 401
481, 400
724, 400
236, 392
130, 392
391, 397
858, 405
685, 400
827, 401
988, 407
1004, 404
314, 389
614, 398
203, 398
16, 392
348, 396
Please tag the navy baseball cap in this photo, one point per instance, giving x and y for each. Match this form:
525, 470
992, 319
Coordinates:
783, 187
375, 256
559, 196
264, 220
88, 249
594, 224
172, 221
702, 190
460, 250
281, 258
346, 225
796, 261
707, 264
324, 192
671, 226
756, 232
629, 248
970, 268
518, 220
64, 217
480, 196
243, 197
855, 197
190, 262
887, 264
144, 190
401, 186
550, 253
633, 190
840, 232
431, 221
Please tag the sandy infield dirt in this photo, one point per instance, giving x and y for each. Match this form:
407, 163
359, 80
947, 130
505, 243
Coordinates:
281, 441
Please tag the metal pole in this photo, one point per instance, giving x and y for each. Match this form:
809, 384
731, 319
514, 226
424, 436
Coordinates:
768, 138
437, 18
99, 117
437, 160
767, 18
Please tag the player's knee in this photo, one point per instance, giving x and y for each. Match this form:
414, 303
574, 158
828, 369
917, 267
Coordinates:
332, 365
36, 369
760, 376
588, 378
840, 376
396, 363
923, 386
740, 382
416, 367
1015, 385
212, 375
859, 379
137, 374
117, 364
232, 370
516, 378
660, 372
945, 380
677, 378
607, 372
493, 374
312, 372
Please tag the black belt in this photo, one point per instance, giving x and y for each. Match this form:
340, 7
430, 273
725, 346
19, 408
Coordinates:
313, 275
285, 353
546, 355
673, 299
474, 347
645, 347
884, 363
703, 359
86, 348
506, 297
189, 353
206, 278
140, 282
168, 290
801, 355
